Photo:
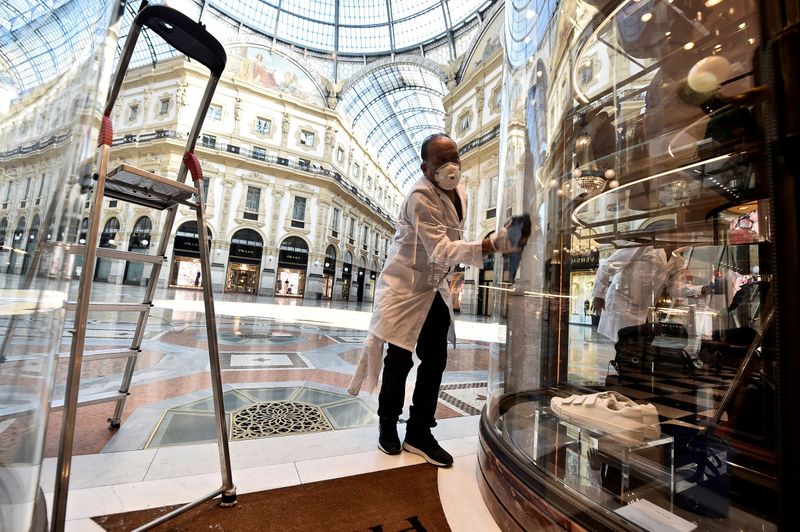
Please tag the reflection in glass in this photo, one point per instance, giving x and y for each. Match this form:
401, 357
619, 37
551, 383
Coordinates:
56, 59
631, 135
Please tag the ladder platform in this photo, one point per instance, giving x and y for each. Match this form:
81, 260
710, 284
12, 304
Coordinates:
85, 399
104, 354
111, 253
134, 185
111, 307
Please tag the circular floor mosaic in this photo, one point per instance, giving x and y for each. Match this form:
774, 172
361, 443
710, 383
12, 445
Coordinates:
278, 417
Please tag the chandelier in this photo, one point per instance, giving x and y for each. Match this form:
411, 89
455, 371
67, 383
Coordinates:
587, 183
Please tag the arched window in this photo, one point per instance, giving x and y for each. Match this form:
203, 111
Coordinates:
140, 237
109, 234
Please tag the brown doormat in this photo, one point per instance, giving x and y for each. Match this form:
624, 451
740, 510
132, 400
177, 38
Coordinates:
404, 498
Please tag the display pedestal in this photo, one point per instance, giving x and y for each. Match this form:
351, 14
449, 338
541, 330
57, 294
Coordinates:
613, 470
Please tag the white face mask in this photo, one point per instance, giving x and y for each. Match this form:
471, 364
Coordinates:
447, 176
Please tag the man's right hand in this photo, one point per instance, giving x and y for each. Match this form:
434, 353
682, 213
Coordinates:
512, 237
502, 244
598, 304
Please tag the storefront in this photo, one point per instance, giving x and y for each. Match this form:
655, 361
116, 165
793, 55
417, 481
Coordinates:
485, 278
185, 272
139, 243
244, 262
329, 273
17, 245
347, 275
582, 266
30, 243
651, 135
107, 240
290, 280
361, 279
373, 279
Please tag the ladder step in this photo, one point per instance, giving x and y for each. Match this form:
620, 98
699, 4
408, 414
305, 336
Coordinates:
103, 354
110, 253
134, 185
111, 307
92, 399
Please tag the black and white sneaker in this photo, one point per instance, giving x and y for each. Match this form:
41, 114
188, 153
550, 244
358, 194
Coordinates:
427, 447
388, 440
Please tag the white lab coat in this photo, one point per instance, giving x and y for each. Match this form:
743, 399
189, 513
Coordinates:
426, 248
630, 281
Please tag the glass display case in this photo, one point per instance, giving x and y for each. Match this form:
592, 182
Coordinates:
55, 64
638, 384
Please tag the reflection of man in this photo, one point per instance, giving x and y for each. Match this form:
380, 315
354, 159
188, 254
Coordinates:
413, 303
197, 279
629, 283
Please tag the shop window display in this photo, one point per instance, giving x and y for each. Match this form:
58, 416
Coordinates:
637, 381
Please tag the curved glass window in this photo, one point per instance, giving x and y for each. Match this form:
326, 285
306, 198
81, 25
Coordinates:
639, 371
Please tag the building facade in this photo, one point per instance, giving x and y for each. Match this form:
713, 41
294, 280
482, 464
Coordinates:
296, 205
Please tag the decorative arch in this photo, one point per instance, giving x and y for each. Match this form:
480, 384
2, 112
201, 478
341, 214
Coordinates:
19, 233
109, 234
482, 43
331, 252
294, 243
247, 236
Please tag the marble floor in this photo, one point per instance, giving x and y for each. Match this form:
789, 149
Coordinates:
133, 480
273, 351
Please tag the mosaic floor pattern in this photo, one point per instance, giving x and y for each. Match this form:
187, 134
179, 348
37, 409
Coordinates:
262, 412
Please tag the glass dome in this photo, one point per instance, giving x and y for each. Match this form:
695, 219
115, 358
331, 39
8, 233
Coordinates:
353, 27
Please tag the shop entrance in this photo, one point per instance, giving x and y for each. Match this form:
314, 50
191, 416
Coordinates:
186, 257
30, 243
362, 272
329, 272
107, 240
244, 263
290, 280
139, 243
485, 279
347, 274
17, 244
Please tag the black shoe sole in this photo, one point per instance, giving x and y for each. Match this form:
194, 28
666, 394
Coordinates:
412, 449
392, 452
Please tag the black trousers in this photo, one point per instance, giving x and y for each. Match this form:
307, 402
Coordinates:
432, 352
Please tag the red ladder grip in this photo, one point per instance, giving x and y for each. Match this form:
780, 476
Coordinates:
193, 165
106, 136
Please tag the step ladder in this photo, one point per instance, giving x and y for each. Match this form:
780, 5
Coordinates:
139, 187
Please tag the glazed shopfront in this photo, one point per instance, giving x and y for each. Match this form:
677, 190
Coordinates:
329, 273
244, 262
185, 271
290, 280
654, 145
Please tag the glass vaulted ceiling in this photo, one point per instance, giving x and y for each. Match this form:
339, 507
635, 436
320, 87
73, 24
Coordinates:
40, 38
352, 27
394, 108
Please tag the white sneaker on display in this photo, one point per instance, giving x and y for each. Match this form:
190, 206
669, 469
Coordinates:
609, 413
